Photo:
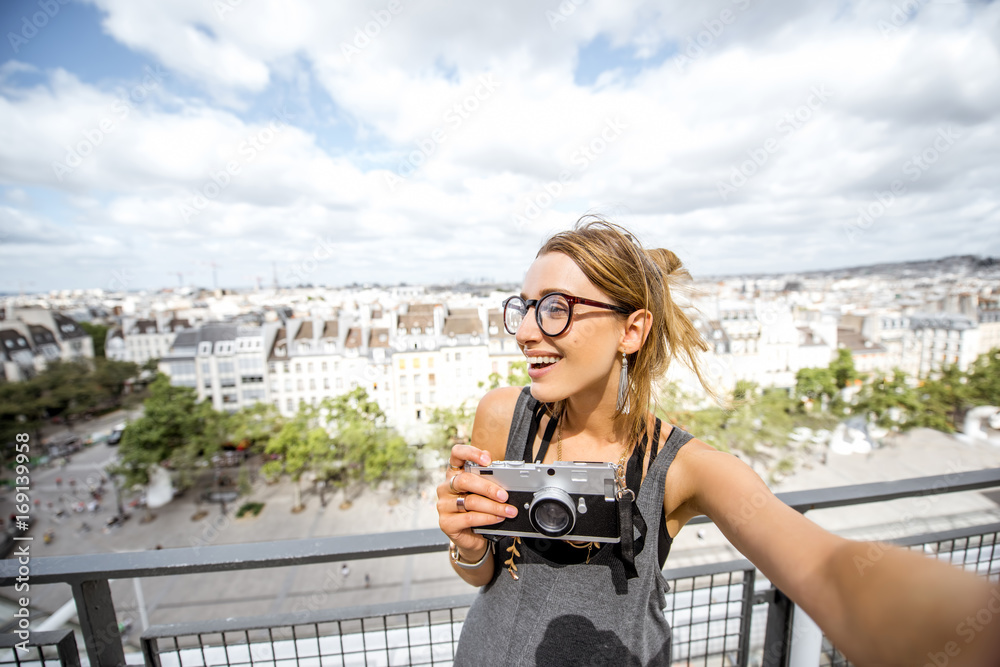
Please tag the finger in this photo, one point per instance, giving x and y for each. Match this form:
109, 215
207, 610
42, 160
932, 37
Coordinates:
475, 503
466, 482
455, 523
462, 453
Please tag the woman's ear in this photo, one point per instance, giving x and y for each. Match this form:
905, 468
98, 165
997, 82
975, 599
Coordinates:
637, 327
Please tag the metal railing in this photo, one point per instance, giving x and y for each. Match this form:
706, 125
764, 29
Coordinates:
716, 610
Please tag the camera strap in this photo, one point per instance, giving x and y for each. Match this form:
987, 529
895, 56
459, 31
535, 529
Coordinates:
630, 521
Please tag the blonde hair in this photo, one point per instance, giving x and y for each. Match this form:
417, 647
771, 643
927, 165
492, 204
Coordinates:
636, 279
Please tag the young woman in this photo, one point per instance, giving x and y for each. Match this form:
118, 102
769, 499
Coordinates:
598, 326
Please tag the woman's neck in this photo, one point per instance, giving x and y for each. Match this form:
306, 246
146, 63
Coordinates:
591, 418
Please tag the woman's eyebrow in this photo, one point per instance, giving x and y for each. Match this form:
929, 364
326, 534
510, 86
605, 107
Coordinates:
547, 290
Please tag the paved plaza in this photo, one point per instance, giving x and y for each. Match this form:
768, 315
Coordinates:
185, 523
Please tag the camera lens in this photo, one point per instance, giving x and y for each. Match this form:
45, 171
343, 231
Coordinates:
551, 512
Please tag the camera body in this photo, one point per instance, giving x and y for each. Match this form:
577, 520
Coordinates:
570, 500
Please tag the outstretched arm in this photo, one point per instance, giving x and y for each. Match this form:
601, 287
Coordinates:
880, 604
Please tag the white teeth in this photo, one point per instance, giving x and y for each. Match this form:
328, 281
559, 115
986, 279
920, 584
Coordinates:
535, 361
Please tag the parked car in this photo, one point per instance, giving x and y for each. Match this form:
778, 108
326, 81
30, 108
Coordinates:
116, 434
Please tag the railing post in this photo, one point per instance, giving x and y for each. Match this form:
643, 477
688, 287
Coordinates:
746, 617
69, 656
779, 629
98, 622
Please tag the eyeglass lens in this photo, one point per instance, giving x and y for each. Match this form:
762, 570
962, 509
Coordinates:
553, 311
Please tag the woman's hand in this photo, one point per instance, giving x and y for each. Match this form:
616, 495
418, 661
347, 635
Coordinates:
483, 503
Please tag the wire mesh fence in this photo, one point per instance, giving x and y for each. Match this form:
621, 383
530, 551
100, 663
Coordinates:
712, 614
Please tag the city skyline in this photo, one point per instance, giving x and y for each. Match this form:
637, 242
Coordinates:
149, 145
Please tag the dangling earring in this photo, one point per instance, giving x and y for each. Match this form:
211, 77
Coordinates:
623, 398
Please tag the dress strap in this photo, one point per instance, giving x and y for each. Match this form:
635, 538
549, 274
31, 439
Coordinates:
522, 425
655, 444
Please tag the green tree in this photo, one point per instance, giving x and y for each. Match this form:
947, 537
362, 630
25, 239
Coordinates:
843, 368
99, 334
21, 410
174, 426
343, 441
518, 374
942, 400
983, 379
817, 384
255, 425
369, 450
890, 401
111, 376
68, 389
452, 426
293, 447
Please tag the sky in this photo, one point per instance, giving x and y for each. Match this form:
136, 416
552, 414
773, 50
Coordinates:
148, 144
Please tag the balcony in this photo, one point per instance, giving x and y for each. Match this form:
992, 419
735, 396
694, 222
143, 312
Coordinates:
722, 613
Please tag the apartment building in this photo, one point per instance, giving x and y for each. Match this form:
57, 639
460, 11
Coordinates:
140, 339
223, 362
921, 343
31, 338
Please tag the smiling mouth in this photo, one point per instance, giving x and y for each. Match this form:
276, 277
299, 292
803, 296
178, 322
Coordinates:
542, 362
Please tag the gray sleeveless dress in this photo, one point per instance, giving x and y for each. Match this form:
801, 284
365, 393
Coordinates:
579, 614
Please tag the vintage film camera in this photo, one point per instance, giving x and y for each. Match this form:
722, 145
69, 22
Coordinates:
571, 500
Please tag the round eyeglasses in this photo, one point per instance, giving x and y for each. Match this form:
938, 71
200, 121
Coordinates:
553, 312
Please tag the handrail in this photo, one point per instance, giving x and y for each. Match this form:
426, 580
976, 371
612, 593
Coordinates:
876, 492
229, 557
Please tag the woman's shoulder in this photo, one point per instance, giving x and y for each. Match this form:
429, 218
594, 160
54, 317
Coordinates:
503, 399
493, 417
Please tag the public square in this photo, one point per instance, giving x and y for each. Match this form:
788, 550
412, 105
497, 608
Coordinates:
184, 522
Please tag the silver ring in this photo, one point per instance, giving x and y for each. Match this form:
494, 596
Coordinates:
451, 485
460, 503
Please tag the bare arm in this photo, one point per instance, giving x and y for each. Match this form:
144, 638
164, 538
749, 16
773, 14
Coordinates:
880, 604
484, 500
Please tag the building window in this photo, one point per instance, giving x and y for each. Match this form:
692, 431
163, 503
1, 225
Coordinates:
431, 398
416, 362
285, 366
298, 368
288, 384
309, 367
298, 384
416, 398
404, 398
289, 405
430, 379
312, 384
418, 379
272, 367
340, 383
430, 362
323, 366
326, 383
402, 364
458, 356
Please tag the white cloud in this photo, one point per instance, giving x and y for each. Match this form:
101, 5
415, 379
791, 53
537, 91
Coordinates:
806, 112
